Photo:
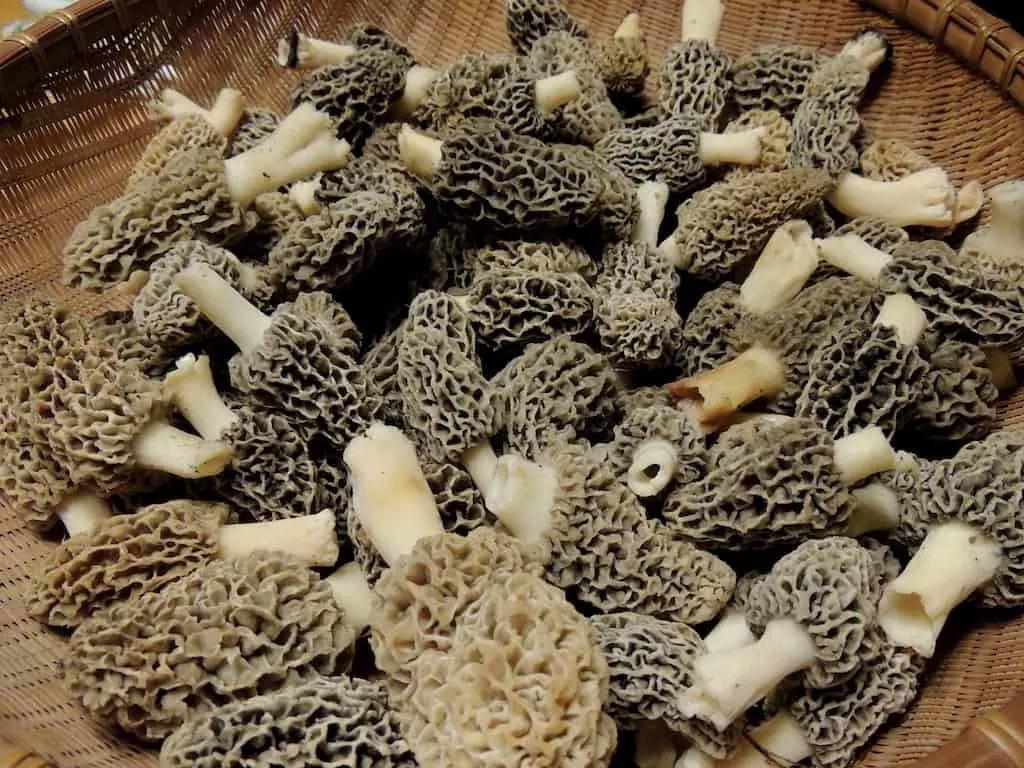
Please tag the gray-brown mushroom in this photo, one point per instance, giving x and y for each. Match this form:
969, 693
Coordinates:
694, 75
527, 21
774, 77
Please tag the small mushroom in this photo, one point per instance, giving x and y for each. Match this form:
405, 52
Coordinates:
343, 722
527, 21
891, 160
694, 75
228, 631
997, 247
812, 613
622, 58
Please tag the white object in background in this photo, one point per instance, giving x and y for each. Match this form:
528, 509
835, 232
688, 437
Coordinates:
43, 7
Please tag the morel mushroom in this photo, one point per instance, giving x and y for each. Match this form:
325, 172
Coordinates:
534, 255
813, 613
300, 360
527, 21
650, 662
228, 631
964, 522
341, 722
694, 74
775, 131
997, 247
197, 195
774, 77
772, 483
520, 637
622, 59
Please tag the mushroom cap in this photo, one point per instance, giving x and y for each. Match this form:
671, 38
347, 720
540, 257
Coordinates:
767, 484
372, 36
730, 222
125, 557
831, 587
227, 631
181, 133
708, 337
838, 722
356, 92
775, 142
694, 78
629, 267
337, 722
650, 662
660, 422
958, 400
256, 125
32, 481
276, 214
557, 390
668, 152
774, 77
385, 401
862, 376
447, 401
382, 144
522, 671
419, 601
408, 211
958, 300
545, 254
623, 64
187, 199
527, 21
511, 307
305, 368
891, 160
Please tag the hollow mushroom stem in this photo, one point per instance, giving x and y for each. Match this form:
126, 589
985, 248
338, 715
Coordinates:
905, 316
83, 512
311, 539
420, 153
390, 495
303, 194
630, 27
223, 116
740, 148
417, 84
701, 20
223, 306
870, 47
783, 268
652, 197
854, 256
190, 387
730, 632
713, 397
877, 509
353, 595
1001, 366
954, 560
481, 462
165, 448
556, 91
655, 463
926, 198
303, 144
727, 683
300, 51
522, 496
778, 741
864, 453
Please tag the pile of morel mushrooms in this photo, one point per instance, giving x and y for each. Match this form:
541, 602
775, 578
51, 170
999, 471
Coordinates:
434, 437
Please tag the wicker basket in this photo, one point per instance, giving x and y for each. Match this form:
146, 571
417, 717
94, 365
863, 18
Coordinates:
72, 122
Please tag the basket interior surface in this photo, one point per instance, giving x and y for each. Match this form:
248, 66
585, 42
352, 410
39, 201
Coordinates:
68, 145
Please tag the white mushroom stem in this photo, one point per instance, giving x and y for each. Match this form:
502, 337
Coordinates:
655, 463
778, 741
299, 51
629, 28
862, 454
694, 757
926, 198
702, 19
853, 255
420, 153
353, 595
730, 632
223, 306
1001, 366
905, 316
870, 47
784, 267
390, 495
190, 387
303, 194
1002, 241
223, 116
311, 539
303, 144
417, 84
83, 512
652, 197
955, 560
556, 91
739, 148
668, 249
727, 683
481, 462
877, 509
970, 199
164, 448
522, 496
713, 397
